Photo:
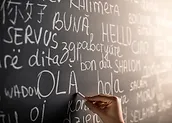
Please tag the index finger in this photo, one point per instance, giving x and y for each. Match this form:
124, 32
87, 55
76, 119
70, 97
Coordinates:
103, 98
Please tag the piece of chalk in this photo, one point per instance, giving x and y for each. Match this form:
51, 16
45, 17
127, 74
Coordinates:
81, 94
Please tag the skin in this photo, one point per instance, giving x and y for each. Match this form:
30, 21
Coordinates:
107, 107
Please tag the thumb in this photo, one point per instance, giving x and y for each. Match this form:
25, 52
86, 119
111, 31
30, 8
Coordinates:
94, 108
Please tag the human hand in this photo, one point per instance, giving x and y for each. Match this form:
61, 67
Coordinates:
107, 107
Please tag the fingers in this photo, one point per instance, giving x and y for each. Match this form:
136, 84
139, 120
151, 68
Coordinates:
107, 107
103, 98
102, 105
95, 108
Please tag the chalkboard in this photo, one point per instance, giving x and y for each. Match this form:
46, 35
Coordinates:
51, 49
